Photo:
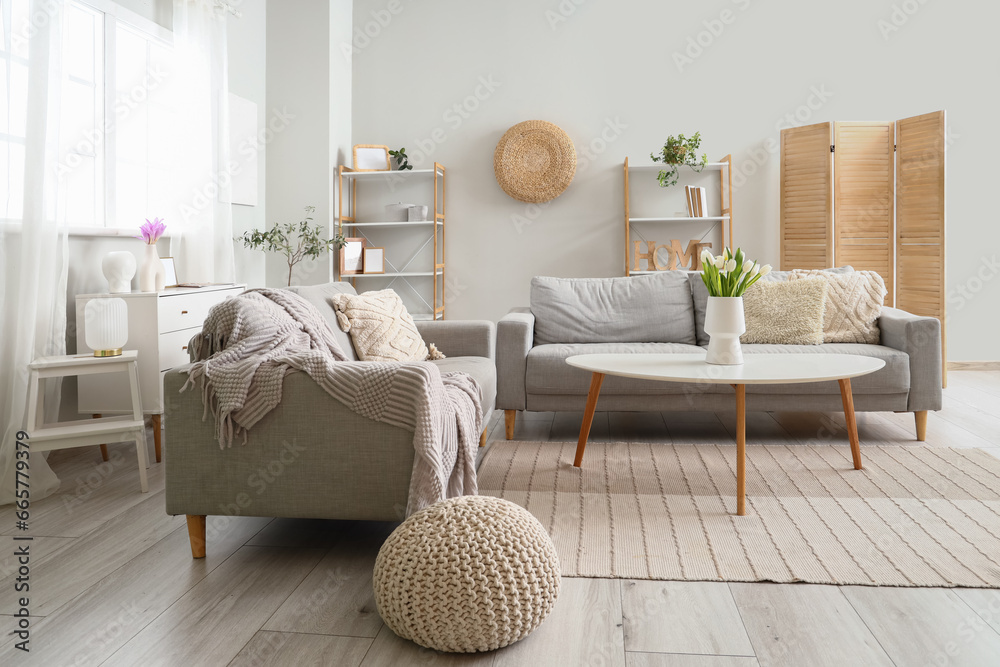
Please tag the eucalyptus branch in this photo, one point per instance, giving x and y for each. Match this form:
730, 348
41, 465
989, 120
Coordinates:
308, 240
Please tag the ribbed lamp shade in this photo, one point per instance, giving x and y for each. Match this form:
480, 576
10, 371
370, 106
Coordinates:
106, 326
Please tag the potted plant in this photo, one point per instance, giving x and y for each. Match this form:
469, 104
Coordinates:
295, 241
679, 151
402, 160
727, 277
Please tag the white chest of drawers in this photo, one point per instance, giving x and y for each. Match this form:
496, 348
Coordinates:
160, 324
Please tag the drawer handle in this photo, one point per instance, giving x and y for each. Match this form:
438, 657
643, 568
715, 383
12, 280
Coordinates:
184, 312
185, 347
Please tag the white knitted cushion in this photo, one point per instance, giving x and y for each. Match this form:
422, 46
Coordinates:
473, 573
787, 313
380, 327
853, 305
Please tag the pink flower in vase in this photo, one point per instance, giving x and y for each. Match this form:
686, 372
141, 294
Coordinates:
151, 231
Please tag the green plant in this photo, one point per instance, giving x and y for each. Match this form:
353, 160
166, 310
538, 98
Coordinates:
678, 151
402, 161
730, 274
295, 241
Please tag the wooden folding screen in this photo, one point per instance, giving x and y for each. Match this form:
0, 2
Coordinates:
920, 158
864, 198
807, 197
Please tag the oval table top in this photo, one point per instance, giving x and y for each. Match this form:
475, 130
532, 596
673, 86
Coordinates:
757, 369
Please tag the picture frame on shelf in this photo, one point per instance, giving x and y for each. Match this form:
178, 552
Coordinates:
352, 257
170, 270
374, 261
371, 157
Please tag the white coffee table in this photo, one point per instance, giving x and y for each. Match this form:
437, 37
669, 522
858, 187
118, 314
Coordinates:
758, 369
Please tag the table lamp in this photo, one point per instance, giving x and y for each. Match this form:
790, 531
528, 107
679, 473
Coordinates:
106, 326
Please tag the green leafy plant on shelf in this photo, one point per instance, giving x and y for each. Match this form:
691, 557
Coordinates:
295, 240
679, 151
402, 161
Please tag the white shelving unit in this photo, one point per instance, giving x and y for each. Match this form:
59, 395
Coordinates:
724, 219
425, 282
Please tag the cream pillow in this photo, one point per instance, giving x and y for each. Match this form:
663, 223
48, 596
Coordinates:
853, 305
380, 327
787, 313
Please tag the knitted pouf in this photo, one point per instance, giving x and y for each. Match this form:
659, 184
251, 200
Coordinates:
473, 573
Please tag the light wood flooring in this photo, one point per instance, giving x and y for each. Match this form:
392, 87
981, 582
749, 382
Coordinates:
113, 582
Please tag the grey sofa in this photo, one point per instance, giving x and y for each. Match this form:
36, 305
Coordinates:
311, 457
665, 313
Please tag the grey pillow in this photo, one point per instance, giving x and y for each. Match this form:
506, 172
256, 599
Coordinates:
653, 308
319, 295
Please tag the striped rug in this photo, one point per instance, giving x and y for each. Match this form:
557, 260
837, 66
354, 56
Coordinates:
915, 516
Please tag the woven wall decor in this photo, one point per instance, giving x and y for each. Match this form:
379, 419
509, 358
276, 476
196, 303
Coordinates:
534, 161
468, 574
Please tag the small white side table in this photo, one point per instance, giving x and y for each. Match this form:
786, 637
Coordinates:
86, 432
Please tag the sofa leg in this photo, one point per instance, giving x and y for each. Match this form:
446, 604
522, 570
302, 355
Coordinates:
509, 416
196, 534
920, 417
482, 438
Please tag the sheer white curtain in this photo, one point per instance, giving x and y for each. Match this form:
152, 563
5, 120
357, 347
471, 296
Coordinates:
203, 251
33, 238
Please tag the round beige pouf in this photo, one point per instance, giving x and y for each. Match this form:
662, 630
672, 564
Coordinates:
534, 161
474, 573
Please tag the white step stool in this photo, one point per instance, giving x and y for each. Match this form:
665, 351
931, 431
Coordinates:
86, 432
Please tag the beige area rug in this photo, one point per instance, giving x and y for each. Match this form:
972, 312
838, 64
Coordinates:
915, 516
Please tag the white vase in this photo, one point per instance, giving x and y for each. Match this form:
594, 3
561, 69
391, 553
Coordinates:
152, 275
119, 268
725, 324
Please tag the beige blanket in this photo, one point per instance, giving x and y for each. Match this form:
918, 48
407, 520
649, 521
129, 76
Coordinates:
250, 342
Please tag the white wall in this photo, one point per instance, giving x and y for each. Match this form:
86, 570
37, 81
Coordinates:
605, 73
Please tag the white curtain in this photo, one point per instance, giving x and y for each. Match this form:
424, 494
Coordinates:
33, 238
203, 251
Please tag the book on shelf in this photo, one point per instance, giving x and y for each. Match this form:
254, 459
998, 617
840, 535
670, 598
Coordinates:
690, 200
702, 202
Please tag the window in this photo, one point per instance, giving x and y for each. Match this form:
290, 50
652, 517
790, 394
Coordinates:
115, 119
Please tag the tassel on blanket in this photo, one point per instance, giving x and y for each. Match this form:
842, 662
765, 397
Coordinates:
435, 353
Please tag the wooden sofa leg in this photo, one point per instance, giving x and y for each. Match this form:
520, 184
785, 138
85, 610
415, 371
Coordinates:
196, 534
920, 417
482, 438
509, 417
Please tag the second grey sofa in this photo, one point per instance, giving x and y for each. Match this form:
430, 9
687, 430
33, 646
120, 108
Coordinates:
665, 313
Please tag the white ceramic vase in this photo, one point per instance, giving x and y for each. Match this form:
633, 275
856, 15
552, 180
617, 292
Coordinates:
725, 324
119, 268
152, 275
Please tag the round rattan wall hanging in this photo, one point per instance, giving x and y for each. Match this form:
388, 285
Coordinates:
534, 161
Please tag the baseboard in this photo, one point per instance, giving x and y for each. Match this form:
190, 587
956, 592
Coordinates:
974, 365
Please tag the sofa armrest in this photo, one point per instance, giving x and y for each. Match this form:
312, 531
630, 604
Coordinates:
515, 336
460, 338
920, 338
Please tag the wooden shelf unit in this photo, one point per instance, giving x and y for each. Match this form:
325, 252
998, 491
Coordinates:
347, 192
725, 217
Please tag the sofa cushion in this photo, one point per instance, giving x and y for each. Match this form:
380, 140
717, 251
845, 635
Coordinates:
319, 295
894, 378
482, 370
785, 312
548, 373
643, 309
853, 305
380, 326
699, 294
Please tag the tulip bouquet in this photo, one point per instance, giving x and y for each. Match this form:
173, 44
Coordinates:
730, 274
151, 231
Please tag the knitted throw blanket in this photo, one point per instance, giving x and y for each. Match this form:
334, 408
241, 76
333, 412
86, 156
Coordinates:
250, 342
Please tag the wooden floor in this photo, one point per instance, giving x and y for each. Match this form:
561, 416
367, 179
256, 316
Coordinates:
113, 582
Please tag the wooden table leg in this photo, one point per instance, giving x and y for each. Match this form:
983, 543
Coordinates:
852, 425
588, 416
741, 449
157, 436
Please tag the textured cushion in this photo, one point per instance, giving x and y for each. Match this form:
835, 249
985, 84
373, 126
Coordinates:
853, 305
894, 378
548, 373
474, 573
699, 294
319, 296
482, 370
789, 313
380, 326
644, 309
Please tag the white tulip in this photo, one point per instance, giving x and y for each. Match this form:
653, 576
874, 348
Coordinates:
719, 262
731, 266
748, 266
766, 269
756, 270
706, 257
